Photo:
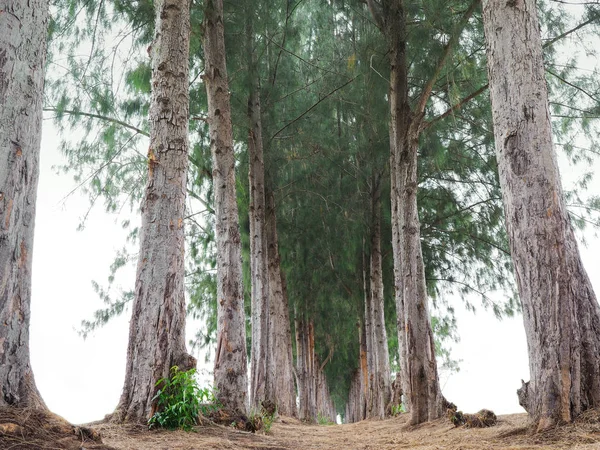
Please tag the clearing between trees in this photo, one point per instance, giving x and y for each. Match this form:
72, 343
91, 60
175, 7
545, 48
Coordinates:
511, 432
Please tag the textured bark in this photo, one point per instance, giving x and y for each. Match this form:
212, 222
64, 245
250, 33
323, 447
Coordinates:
355, 405
157, 327
369, 339
381, 383
305, 370
422, 394
281, 362
231, 379
23, 26
324, 403
261, 378
560, 310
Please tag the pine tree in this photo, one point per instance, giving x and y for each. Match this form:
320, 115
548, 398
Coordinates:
157, 327
560, 309
231, 380
23, 26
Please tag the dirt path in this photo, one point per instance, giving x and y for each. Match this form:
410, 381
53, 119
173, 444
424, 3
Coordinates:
290, 434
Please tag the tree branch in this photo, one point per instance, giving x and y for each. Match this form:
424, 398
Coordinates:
458, 105
566, 33
100, 117
583, 91
377, 13
313, 107
445, 54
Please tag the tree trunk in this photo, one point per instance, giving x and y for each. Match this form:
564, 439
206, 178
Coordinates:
560, 310
231, 379
381, 376
305, 369
157, 327
281, 365
23, 26
261, 380
369, 339
422, 394
324, 403
301, 367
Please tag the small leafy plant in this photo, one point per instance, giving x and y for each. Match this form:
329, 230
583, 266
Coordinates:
324, 420
398, 409
179, 401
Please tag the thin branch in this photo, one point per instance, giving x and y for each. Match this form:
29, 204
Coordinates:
458, 105
583, 91
313, 107
445, 54
566, 33
100, 117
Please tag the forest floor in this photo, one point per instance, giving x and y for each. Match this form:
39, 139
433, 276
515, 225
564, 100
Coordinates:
511, 432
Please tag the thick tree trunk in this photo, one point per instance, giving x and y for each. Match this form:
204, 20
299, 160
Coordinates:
261, 379
422, 394
23, 26
560, 310
381, 375
231, 379
157, 327
281, 365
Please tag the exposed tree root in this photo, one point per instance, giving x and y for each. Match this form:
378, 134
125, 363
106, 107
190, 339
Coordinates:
22, 429
482, 419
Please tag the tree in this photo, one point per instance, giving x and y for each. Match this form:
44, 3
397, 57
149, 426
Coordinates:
23, 26
157, 328
231, 379
262, 375
421, 388
560, 310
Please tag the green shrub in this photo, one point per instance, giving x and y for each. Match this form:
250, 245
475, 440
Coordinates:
179, 401
324, 420
398, 409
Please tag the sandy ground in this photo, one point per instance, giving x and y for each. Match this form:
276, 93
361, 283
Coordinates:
31, 429
511, 432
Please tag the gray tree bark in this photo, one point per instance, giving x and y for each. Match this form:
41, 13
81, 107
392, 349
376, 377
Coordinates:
157, 327
381, 376
281, 365
23, 28
231, 379
262, 378
560, 310
422, 394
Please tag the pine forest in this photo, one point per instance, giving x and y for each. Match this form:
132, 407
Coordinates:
308, 192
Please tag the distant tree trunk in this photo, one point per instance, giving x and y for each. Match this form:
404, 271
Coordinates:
381, 375
281, 362
305, 369
23, 28
369, 340
231, 379
364, 376
324, 403
421, 389
355, 399
157, 327
261, 379
560, 310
